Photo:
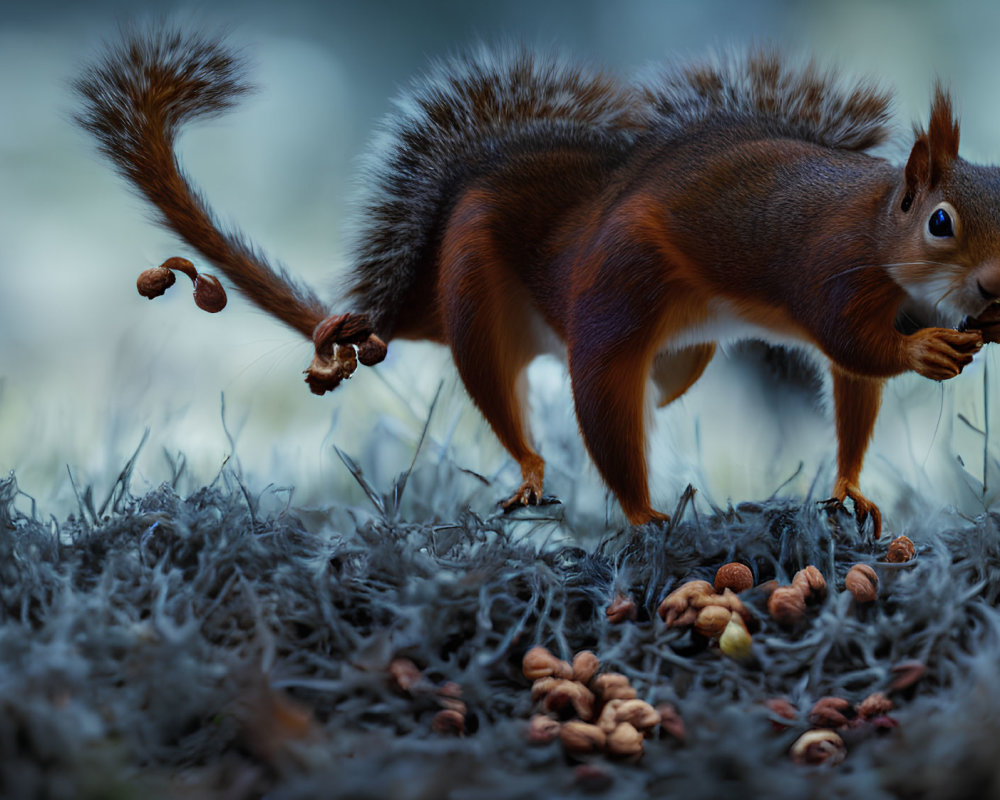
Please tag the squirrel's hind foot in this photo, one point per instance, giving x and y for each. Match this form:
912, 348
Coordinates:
863, 507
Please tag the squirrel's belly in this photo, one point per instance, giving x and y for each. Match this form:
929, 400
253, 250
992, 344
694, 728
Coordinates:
727, 323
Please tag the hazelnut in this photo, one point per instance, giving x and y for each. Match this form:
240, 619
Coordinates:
541, 687
786, 605
585, 665
582, 737
829, 712
542, 729
875, 705
735, 640
612, 686
538, 662
727, 599
900, 549
448, 721
818, 747
637, 713
811, 583
712, 621
620, 609
372, 351
735, 576
862, 582
624, 740
781, 707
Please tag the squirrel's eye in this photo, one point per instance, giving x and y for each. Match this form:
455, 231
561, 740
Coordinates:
940, 224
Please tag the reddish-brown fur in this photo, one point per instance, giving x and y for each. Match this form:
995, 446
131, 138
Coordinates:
634, 224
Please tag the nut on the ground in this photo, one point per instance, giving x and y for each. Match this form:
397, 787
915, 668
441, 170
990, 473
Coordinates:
786, 605
675, 609
568, 693
735, 640
620, 609
582, 737
624, 740
862, 582
712, 621
900, 549
670, 721
828, 712
875, 705
540, 663
449, 721
543, 729
735, 576
818, 747
638, 713
585, 666
811, 583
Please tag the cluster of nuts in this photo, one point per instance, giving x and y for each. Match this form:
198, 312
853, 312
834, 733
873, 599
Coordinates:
787, 604
590, 712
714, 611
208, 292
341, 341
831, 717
447, 697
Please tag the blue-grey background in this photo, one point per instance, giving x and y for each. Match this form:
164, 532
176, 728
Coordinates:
86, 365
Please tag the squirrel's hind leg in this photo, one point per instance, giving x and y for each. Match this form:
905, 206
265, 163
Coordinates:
488, 326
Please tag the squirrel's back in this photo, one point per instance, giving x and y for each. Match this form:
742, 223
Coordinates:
467, 116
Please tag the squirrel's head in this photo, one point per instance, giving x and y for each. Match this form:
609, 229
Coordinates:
948, 212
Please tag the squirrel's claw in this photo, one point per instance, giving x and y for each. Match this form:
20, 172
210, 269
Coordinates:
863, 507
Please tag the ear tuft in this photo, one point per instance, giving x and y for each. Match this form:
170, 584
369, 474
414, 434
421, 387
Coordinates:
942, 131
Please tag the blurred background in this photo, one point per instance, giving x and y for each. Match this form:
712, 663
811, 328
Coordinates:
86, 365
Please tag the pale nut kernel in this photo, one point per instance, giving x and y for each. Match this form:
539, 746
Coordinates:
735, 576
811, 583
862, 582
538, 662
543, 729
818, 747
735, 641
582, 737
900, 549
638, 713
585, 666
786, 605
624, 740
712, 621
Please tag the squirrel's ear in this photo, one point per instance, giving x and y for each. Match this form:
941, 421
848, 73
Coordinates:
933, 150
942, 132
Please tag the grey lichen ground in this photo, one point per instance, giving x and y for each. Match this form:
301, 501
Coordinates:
214, 645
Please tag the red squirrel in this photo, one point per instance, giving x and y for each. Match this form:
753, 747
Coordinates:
517, 196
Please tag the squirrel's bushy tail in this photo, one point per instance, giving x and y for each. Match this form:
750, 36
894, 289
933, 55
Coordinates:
134, 102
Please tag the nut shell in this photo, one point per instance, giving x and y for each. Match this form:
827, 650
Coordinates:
900, 549
543, 729
673, 607
208, 293
637, 713
818, 747
875, 705
862, 582
154, 281
786, 605
612, 686
735, 576
538, 662
829, 712
811, 583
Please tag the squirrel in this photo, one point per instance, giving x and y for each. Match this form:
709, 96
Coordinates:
517, 195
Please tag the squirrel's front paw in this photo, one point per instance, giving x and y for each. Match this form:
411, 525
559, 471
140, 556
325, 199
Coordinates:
987, 324
942, 353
